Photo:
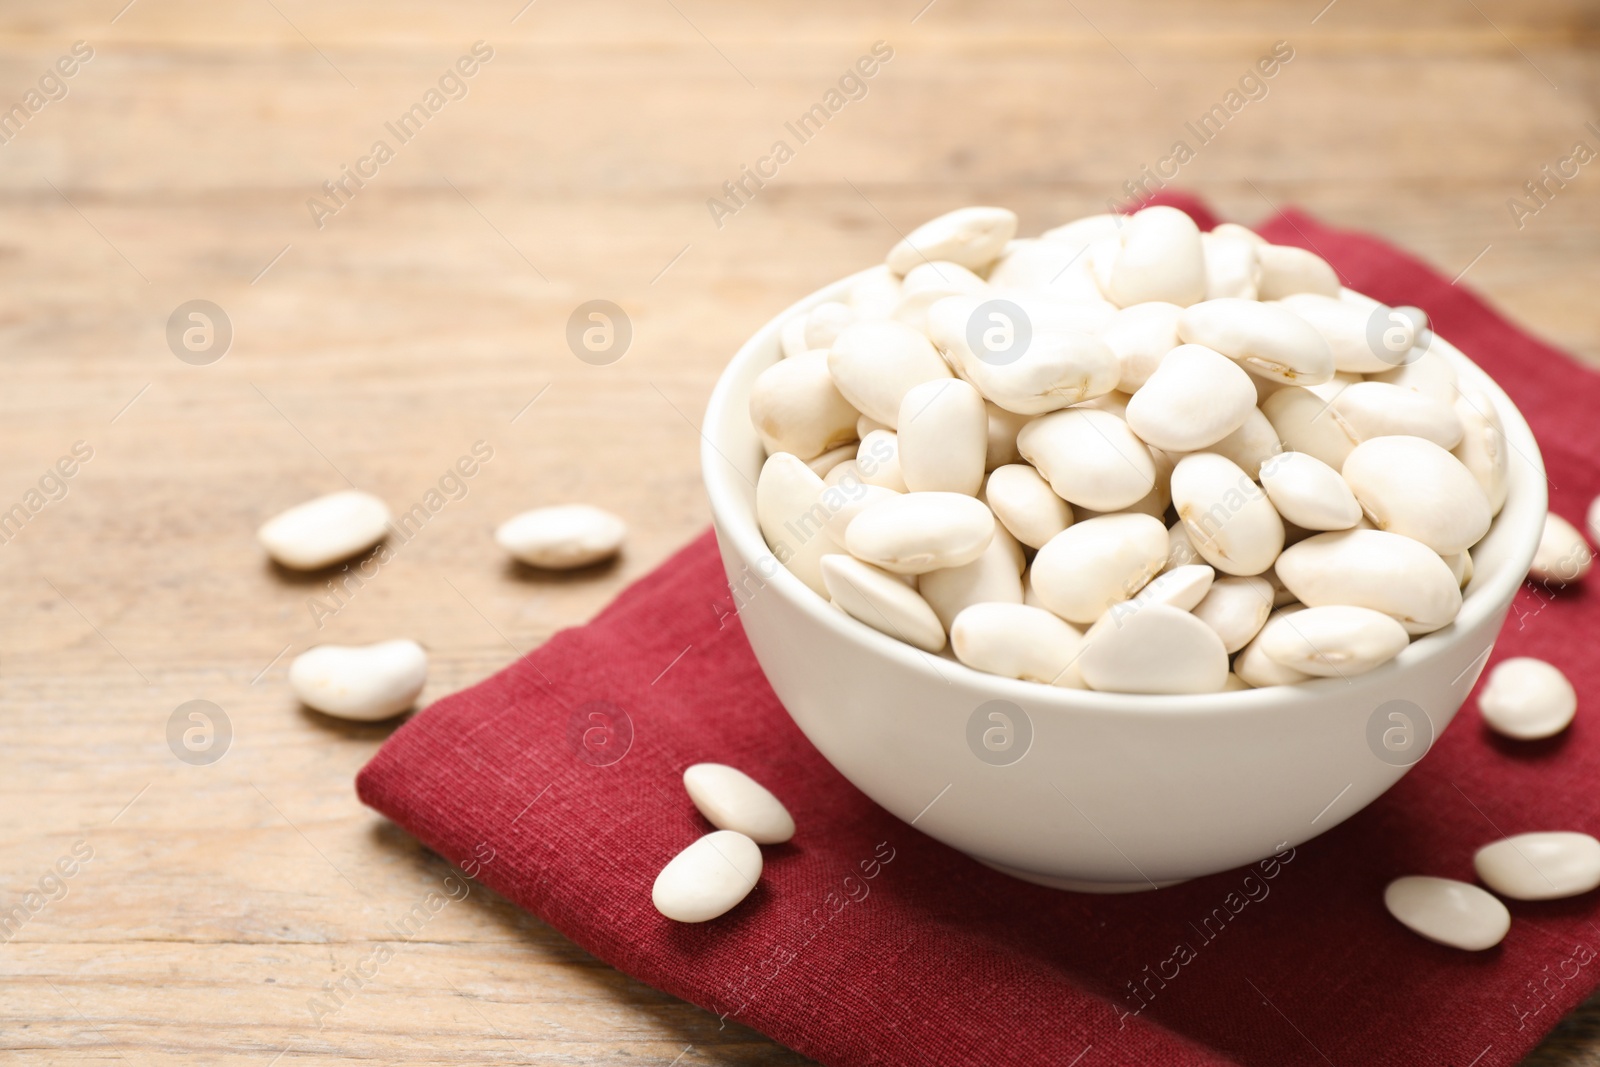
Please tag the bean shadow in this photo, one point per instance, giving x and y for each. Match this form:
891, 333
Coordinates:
527, 574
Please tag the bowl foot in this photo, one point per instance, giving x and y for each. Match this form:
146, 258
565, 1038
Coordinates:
1079, 885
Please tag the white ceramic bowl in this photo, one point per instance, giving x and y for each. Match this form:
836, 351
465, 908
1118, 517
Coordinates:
1097, 791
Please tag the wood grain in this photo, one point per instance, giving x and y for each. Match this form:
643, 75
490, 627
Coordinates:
430, 310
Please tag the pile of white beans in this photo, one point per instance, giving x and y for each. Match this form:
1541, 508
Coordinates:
1121, 453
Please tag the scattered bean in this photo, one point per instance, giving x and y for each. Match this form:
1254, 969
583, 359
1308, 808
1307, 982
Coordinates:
1527, 699
364, 683
732, 800
1540, 866
1563, 556
563, 536
324, 531
709, 878
1448, 912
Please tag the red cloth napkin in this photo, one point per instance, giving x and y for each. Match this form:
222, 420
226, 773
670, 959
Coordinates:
868, 943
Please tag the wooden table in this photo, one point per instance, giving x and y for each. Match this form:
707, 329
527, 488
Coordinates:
429, 312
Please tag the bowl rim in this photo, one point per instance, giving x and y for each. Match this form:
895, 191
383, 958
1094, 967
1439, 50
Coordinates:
736, 524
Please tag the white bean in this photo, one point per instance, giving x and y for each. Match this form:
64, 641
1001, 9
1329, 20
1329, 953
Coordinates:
1483, 449
321, 532
1044, 266
1235, 231
1032, 367
732, 800
1160, 258
993, 578
921, 532
1304, 421
1335, 640
1377, 409
795, 407
1155, 649
878, 460
792, 336
1268, 339
1026, 505
865, 425
1563, 555
825, 322
942, 275
1091, 565
1425, 371
1286, 269
1448, 912
364, 683
1090, 458
837, 473
1195, 398
1232, 268
875, 294
1229, 519
1181, 588
1017, 641
929, 283
943, 437
1410, 486
874, 364
1180, 550
562, 537
1540, 866
1527, 699
1373, 569
823, 465
1236, 608
1139, 335
881, 600
1344, 326
791, 517
1251, 445
1260, 670
707, 879
1001, 445
1309, 493
970, 236
845, 500
1081, 233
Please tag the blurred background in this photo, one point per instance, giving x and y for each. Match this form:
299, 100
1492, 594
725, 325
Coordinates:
373, 314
